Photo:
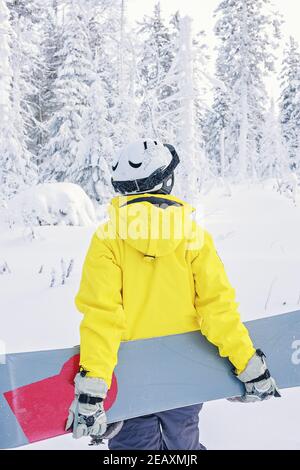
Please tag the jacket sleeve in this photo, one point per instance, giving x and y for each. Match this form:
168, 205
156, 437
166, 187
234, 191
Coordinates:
217, 309
100, 300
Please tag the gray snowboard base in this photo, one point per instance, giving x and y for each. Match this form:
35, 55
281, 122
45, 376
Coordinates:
152, 375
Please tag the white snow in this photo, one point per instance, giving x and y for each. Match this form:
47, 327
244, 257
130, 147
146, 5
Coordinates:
257, 234
50, 204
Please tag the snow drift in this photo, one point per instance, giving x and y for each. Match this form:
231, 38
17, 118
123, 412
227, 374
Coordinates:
50, 204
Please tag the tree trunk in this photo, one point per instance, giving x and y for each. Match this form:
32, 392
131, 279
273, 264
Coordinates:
186, 130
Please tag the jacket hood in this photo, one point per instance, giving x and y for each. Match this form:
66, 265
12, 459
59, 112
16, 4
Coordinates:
154, 224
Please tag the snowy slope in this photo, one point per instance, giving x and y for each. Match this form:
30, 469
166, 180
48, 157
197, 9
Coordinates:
257, 234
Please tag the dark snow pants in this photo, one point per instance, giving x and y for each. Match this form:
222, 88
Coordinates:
168, 430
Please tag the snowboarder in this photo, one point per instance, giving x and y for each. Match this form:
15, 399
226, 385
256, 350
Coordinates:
139, 283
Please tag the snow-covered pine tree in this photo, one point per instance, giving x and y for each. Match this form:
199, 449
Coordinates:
8, 143
103, 23
155, 59
172, 91
157, 54
15, 167
123, 112
188, 101
273, 158
215, 122
113, 49
202, 86
184, 117
290, 102
185, 103
26, 20
248, 31
47, 105
70, 90
91, 169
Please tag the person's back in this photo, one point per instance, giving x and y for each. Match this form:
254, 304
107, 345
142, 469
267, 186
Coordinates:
158, 291
152, 271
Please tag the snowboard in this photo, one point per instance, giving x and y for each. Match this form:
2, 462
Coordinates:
152, 375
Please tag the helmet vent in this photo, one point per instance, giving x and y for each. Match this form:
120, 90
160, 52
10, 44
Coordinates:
134, 165
145, 145
115, 167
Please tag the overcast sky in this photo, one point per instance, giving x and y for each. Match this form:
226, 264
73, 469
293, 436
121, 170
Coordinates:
202, 13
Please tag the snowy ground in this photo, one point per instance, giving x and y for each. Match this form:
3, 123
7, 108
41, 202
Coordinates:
257, 234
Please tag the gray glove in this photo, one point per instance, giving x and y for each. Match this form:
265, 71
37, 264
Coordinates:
86, 413
259, 385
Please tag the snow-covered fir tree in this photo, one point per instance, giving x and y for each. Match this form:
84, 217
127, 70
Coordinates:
184, 117
290, 102
273, 160
201, 88
185, 102
47, 104
113, 48
123, 109
26, 21
15, 166
247, 31
155, 59
215, 122
172, 90
70, 89
92, 167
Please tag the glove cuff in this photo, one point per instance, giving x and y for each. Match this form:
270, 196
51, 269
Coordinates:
91, 386
255, 368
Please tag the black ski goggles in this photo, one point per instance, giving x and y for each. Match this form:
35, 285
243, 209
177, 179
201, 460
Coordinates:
147, 184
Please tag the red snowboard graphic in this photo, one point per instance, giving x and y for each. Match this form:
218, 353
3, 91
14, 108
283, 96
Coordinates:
41, 408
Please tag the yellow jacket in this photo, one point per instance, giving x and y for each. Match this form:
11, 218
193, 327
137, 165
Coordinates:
152, 271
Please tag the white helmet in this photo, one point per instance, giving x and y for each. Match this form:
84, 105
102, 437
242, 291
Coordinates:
145, 166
